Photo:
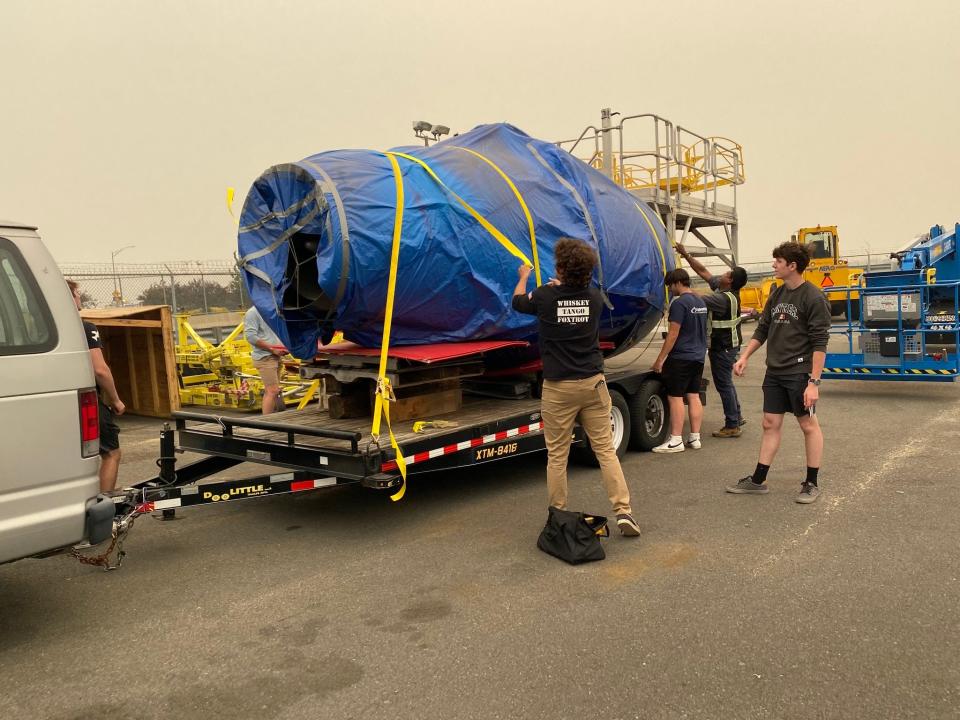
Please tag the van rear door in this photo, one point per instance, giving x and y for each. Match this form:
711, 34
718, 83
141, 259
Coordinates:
45, 480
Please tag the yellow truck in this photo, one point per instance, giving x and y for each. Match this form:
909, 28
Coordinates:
827, 270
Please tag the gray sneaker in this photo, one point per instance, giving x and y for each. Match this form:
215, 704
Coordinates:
808, 494
628, 526
748, 486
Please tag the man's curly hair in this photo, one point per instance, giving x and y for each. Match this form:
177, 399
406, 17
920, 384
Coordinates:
574, 261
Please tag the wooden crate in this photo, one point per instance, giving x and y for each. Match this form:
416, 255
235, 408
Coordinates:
138, 345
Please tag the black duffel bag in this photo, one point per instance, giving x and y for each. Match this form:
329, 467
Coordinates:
574, 537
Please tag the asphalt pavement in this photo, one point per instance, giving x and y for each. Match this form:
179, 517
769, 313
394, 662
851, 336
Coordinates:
341, 604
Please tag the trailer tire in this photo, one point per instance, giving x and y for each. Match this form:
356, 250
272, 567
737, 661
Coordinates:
649, 415
619, 423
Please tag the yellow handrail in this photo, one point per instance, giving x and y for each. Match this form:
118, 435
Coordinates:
690, 173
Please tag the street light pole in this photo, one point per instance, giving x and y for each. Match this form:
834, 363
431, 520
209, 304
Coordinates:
203, 286
117, 296
422, 127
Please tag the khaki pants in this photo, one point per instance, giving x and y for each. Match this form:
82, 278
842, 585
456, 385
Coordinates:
562, 402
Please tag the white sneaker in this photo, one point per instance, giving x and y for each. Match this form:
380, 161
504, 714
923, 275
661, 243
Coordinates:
694, 444
670, 446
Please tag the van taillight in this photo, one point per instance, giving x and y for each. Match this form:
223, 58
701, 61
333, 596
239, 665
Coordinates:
89, 423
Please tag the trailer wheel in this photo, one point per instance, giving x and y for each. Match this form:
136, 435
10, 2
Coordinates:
619, 425
649, 415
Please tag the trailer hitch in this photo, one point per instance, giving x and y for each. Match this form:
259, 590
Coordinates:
127, 512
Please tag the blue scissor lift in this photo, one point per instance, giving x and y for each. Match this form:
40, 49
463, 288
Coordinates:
909, 322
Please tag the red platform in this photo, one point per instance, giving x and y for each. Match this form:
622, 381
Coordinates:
436, 352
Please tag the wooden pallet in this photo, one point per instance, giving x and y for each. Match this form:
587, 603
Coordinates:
421, 389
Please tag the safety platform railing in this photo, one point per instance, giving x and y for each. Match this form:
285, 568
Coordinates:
923, 346
674, 163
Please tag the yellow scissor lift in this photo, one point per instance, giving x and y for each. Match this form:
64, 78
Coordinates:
223, 375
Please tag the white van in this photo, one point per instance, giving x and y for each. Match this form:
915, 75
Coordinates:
49, 433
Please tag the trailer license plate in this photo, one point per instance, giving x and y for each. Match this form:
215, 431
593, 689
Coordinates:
494, 451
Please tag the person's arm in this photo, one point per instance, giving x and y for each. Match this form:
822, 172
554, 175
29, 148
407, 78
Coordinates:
716, 302
250, 331
758, 339
522, 300
812, 392
818, 322
253, 334
819, 328
763, 324
695, 264
277, 350
741, 365
105, 381
673, 332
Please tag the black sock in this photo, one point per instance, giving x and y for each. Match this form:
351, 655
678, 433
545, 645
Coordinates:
811, 476
760, 474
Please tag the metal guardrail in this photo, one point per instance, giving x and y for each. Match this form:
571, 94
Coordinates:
918, 356
680, 162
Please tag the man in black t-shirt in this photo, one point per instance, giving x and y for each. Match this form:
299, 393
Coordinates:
110, 403
568, 319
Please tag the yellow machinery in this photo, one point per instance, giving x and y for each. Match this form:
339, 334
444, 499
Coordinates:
826, 270
224, 376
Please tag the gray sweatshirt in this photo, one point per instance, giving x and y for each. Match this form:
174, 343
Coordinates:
794, 324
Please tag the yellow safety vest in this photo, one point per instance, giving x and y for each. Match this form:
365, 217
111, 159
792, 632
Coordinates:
732, 323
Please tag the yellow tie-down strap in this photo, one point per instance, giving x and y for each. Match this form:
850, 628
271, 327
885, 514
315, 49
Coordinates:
523, 206
384, 391
663, 259
312, 389
487, 225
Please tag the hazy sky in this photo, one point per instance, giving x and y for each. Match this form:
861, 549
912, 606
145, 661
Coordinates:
123, 122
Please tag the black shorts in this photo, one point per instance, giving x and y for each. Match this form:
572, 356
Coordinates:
682, 377
109, 431
783, 394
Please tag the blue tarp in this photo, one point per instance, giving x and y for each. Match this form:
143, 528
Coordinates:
315, 239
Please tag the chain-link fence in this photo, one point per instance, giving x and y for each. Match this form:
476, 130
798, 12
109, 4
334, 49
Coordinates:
184, 286
216, 286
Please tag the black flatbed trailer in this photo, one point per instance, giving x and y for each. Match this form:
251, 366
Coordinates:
310, 450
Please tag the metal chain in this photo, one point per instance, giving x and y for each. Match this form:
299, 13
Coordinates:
119, 534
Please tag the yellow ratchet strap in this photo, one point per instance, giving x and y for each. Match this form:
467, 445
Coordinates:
308, 395
487, 225
663, 259
523, 206
420, 425
384, 391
